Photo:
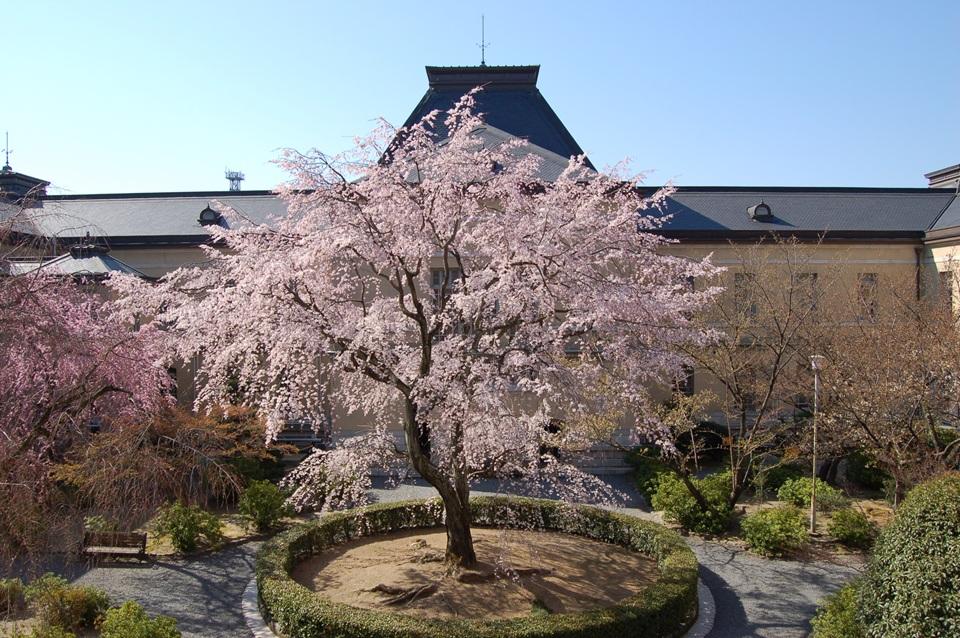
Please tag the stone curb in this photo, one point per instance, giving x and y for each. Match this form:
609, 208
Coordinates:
251, 612
706, 613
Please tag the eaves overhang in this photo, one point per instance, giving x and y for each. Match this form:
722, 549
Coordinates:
806, 236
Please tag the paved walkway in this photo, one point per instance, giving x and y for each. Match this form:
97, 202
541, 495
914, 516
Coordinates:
754, 596
203, 593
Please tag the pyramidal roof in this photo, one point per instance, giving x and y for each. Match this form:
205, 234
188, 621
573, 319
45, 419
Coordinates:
510, 101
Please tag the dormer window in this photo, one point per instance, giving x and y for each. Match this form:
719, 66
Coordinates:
209, 217
760, 212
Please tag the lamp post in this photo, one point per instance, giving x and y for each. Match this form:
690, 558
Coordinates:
815, 362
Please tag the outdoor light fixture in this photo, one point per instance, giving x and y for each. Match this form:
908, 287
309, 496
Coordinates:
816, 362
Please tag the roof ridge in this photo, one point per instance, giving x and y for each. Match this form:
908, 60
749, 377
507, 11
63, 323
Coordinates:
942, 211
878, 190
161, 195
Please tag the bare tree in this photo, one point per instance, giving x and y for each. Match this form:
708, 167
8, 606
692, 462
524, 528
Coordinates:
757, 366
892, 379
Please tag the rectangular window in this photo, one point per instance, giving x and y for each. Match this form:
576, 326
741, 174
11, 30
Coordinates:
443, 282
744, 284
867, 296
946, 288
806, 288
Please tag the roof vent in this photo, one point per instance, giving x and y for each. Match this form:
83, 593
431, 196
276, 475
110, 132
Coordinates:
87, 250
760, 212
209, 217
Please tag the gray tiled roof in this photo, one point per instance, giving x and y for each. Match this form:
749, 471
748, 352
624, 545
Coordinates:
703, 210
147, 216
551, 164
950, 217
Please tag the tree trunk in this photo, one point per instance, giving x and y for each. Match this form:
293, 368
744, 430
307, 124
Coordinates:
453, 488
460, 550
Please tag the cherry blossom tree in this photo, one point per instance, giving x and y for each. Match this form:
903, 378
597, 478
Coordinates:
433, 280
65, 363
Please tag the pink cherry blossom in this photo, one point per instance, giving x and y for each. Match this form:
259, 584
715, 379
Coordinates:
432, 280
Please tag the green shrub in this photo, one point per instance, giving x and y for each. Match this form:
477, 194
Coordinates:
58, 603
131, 621
647, 471
798, 492
665, 608
11, 596
837, 615
912, 585
775, 531
185, 525
43, 631
264, 505
852, 527
679, 505
863, 470
770, 478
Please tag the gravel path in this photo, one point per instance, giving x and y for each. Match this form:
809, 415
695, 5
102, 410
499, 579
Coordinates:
754, 596
202, 593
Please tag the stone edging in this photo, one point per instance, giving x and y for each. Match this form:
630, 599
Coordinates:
251, 612
706, 613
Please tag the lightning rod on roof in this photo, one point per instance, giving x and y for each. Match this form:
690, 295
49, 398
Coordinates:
483, 44
235, 177
7, 151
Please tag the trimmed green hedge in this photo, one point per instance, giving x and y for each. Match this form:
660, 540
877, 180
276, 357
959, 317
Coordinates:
665, 609
912, 586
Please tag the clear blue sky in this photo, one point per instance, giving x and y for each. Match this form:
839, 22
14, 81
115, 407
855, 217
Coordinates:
152, 96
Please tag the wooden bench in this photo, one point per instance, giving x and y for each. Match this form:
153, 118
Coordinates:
115, 544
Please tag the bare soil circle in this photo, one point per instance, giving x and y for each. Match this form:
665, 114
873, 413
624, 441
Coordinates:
520, 572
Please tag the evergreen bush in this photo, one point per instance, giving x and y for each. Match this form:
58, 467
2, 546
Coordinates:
776, 531
912, 586
798, 492
679, 505
57, 603
131, 621
264, 505
42, 631
852, 527
837, 615
185, 525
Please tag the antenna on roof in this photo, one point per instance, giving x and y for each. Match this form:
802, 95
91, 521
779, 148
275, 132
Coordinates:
235, 178
483, 41
7, 151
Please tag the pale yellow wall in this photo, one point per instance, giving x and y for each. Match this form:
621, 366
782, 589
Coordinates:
839, 263
155, 262
888, 260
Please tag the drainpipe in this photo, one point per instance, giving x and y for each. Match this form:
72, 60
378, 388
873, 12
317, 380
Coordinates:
918, 252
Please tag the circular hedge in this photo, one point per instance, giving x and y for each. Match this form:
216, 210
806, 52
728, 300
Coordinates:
664, 609
912, 586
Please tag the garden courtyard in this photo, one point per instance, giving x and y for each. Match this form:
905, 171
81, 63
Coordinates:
753, 596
